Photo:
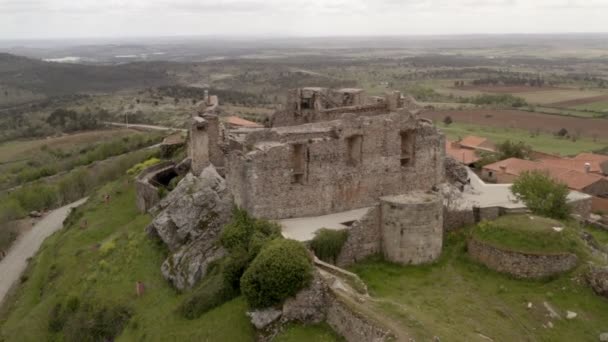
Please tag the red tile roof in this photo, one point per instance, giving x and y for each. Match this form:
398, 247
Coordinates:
475, 142
463, 155
577, 180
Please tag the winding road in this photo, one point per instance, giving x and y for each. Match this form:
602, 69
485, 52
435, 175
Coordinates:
28, 244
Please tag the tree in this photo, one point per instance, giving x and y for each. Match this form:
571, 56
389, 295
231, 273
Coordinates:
509, 149
542, 195
447, 120
562, 132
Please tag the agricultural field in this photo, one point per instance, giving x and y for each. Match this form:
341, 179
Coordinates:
593, 129
542, 142
24, 161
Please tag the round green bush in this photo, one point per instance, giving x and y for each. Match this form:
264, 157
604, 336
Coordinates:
280, 270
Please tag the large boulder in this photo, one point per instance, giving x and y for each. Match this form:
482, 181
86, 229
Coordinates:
189, 221
597, 277
310, 304
455, 172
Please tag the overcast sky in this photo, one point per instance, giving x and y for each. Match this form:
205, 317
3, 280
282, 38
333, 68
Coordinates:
21, 19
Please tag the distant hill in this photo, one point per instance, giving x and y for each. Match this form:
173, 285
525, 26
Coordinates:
52, 79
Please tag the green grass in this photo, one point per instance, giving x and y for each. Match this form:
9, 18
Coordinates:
300, 333
101, 265
601, 106
528, 233
600, 235
457, 299
542, 142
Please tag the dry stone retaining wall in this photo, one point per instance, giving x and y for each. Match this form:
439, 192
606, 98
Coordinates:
520, 264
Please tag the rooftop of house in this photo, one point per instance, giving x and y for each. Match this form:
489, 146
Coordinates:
476, 142
575, 179
463, 155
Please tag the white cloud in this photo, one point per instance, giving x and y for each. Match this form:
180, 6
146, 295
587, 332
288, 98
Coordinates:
64, 18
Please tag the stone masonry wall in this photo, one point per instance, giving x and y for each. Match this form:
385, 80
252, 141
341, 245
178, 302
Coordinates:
519, 264
364, 239
330, 175
353, 326
412, 227
146, 194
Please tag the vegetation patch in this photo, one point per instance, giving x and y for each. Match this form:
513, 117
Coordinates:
542, 195
328, 243
528, 233
280, 270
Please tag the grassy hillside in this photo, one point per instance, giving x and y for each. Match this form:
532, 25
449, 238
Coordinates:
99, 266
49, 78
457, 299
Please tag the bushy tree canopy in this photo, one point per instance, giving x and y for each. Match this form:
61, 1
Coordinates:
542, 195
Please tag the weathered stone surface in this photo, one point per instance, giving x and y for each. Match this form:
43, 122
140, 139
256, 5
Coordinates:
520, 264
189, 222
604, 337
191, 262
597, 278
196, 205
309, 305
364, 239
263, 318
183, 167
455, 172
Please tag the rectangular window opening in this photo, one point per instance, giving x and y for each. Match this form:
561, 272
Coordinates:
354, 150
298, 162
407, 148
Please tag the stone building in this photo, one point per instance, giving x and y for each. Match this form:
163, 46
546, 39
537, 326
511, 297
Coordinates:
330, 151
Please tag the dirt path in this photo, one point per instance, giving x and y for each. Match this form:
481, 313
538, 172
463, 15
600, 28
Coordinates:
28, 244
142, 126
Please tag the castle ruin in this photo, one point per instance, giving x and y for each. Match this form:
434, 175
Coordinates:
332, 151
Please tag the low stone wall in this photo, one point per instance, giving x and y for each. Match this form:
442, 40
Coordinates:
353, 326
454, 219
364, 239
597, 278
147, 196
519, 264
581, 207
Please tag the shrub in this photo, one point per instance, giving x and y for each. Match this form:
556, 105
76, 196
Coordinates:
328, 243
244, 237
135, 170
248, 233
542, 195
281, 269
90, 323
211, 293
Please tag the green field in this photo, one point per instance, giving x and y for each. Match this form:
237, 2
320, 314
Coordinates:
528, 233
457, 299
601, 106
541, 142
101, 264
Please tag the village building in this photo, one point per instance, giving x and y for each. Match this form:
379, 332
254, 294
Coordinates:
583, 180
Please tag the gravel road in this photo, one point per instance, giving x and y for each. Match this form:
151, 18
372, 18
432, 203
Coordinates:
28, 244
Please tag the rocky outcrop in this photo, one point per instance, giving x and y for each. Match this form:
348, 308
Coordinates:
189, 221
597, 278
455, 172
308, 305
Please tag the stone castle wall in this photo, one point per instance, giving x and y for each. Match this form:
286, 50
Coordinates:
350, 165
412, 227
520, 264
364, 239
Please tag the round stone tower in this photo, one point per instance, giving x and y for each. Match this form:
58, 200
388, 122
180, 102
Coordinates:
412, 227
